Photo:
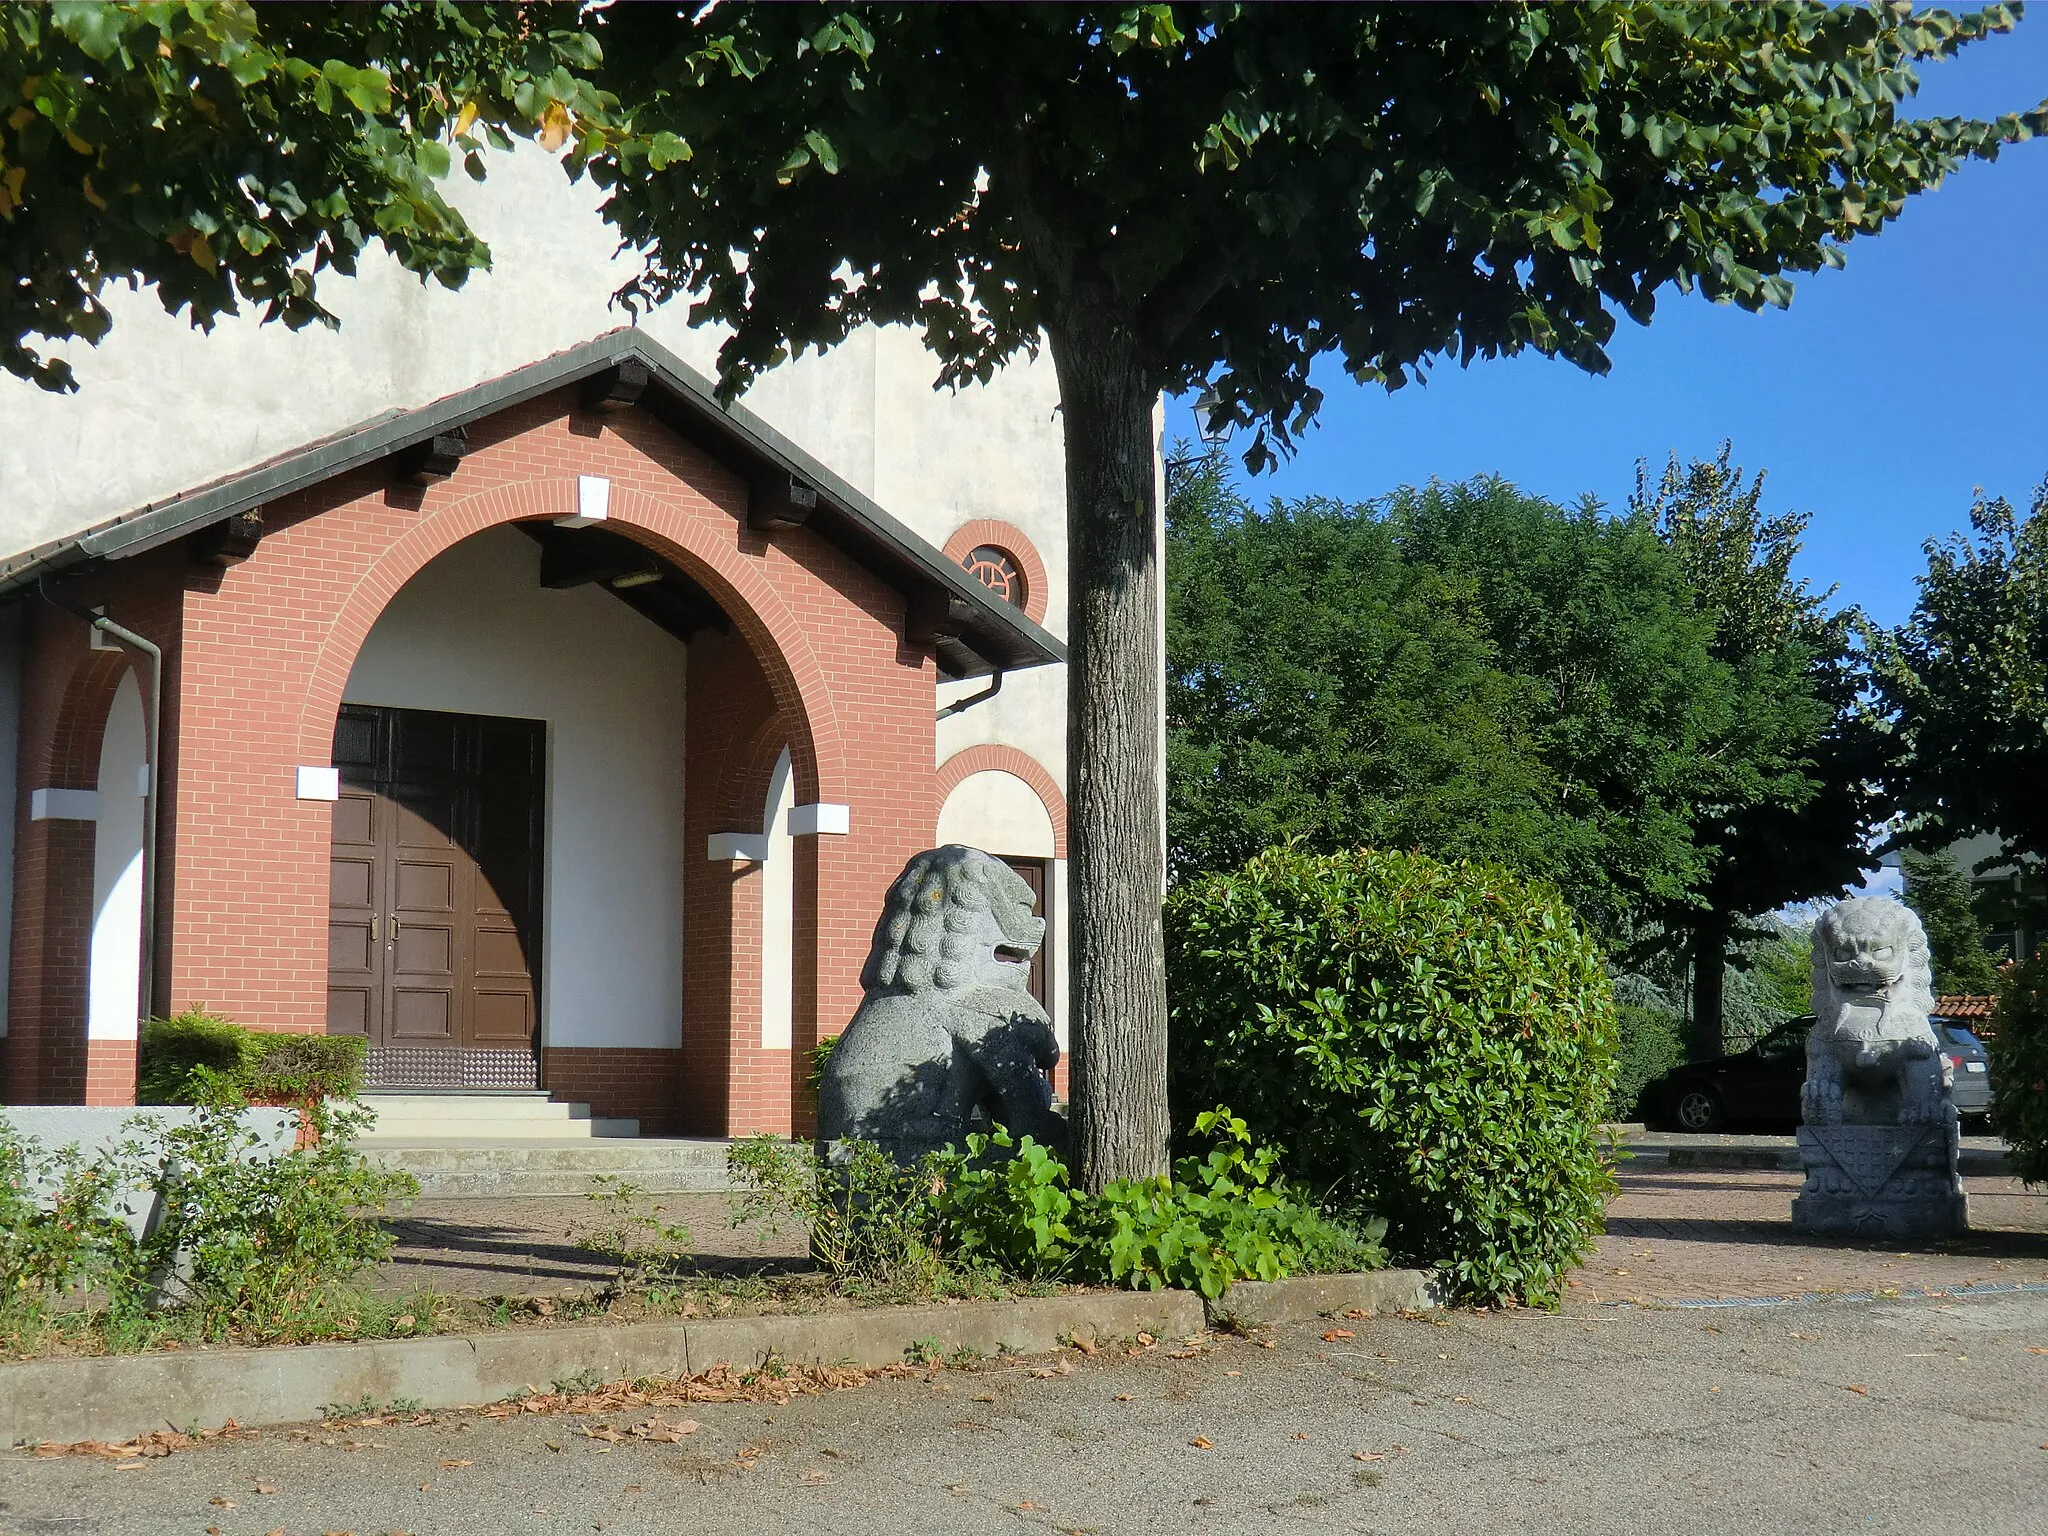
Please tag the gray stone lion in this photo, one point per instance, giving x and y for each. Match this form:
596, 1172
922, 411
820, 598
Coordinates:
948, 1038
1873, 1058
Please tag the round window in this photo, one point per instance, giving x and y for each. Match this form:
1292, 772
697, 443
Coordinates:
996, 568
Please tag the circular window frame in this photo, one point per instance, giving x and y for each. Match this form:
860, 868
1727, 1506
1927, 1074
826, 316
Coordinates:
989, 533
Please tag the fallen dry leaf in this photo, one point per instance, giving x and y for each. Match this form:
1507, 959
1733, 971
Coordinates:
1356, 1312
1086, 1346
130, 1466
1267, 1344
2032, 1349
1857, 1387
455, 1461
1147, 1339
1301, 1437
1467, 1399
1203, 1443
1334, 1334
220, 1503
1368, 1455
816, 1477
263, 1487
1126, 1397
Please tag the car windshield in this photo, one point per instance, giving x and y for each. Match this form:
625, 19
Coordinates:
1957, 1035
1786, 1037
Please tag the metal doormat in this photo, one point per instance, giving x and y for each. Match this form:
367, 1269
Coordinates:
402, 1066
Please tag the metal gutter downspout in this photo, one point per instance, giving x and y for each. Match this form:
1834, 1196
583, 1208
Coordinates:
146, 1002
995, 687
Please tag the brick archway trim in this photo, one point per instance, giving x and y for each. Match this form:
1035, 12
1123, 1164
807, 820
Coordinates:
749, 772
989, 530
991, 758
70, 757
772, 631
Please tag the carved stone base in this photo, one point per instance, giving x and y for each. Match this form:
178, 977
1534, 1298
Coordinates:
1881, 1181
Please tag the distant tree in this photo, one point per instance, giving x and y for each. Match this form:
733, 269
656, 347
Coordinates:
1323, 687
1939, 890
1967, 680
227, 154
1786, 797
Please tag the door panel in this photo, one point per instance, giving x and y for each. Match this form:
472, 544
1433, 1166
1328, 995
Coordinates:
434, 892
1033, 872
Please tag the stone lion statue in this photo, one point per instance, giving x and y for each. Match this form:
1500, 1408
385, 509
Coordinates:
1873, 1058
947, 1037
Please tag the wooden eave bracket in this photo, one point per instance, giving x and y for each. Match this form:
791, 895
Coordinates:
779, 500
617, 388
432, 459
934, 617
228, 542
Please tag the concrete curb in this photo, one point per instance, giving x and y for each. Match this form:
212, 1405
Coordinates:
1306, 1297
115, 1397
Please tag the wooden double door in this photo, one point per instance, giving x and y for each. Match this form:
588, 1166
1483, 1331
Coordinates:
435, 895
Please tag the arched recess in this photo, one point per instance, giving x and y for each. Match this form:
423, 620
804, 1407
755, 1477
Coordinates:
772, 632
114, 984
1019, 765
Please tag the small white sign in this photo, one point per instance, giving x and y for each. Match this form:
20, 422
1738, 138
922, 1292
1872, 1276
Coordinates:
593, 502
319, 783
810, 820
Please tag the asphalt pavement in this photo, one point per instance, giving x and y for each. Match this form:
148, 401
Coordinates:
1921, 1416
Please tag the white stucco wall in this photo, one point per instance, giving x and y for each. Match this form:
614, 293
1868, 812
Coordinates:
998, 813
475, 633
10, 753
114, 987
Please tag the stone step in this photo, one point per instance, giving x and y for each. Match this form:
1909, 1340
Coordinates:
448, 1168
485, 1117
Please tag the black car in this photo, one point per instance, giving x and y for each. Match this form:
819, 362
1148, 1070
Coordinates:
1972, 1068
1762, 1083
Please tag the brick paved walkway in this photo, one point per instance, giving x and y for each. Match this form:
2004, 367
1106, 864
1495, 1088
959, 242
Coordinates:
1689, 1234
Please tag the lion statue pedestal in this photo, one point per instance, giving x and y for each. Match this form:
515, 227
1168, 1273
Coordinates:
948, 1038
1881, 1140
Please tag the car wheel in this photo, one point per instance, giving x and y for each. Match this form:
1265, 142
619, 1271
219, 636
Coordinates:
1697, 1108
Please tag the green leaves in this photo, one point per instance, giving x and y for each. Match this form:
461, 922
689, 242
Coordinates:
1429, 1042
226, 154
2018, 1046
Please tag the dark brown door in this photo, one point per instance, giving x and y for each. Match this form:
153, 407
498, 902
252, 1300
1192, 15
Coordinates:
1033, 872
434, 905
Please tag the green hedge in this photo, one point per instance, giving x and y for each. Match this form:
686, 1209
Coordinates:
197, 1057
1433, 1043
2018, 1048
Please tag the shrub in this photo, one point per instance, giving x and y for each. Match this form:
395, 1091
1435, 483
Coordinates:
184, 1059
2018, 1048
262, 1246
1220, 1218
1432, 1042
198, 1057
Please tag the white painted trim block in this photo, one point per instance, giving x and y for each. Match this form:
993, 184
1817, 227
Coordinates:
63, 805
593, 502
823, 816
737, 848
319, 783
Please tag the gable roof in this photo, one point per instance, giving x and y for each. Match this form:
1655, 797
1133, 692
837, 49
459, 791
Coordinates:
980, 632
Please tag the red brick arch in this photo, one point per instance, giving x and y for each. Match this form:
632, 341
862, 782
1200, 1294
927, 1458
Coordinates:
990, 758
70, 757
750, 769
989, 530
774, 634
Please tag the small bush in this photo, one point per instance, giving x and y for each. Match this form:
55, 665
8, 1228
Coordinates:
1006, 1208
198, 1057
1220, 1219
2018, 1047
1430, 1042
185, 1058
246, 1244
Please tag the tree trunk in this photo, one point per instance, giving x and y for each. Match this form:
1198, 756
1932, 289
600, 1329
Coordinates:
1115, 810
1709, 973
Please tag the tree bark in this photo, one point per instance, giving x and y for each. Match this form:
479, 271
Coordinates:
1115, 810
1709, 973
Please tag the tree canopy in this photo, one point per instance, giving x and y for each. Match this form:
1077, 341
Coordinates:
1938, 889
1967, 680
227, 156
1636, 707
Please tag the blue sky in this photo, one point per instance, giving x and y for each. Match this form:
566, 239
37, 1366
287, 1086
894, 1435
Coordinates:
1877, 402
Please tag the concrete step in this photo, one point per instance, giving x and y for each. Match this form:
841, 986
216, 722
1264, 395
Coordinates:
449, 1168
489, 1117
